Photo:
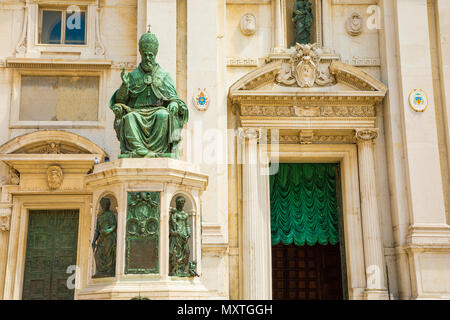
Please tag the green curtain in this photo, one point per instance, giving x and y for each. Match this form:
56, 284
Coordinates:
303, 204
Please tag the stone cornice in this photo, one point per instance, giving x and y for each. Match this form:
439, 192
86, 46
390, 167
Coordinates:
59, 64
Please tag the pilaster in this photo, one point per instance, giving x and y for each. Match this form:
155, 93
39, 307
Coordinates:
255, 223
373, 245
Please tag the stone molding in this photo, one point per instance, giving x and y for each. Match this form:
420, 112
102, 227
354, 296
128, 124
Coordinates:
50, 142
60, 64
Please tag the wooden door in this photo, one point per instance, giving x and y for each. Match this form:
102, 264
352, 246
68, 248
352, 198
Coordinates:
51, 249
306, 272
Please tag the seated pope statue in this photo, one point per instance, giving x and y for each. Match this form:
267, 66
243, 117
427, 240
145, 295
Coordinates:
149, 116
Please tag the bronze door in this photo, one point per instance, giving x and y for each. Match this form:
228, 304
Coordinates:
51, 249
306, 272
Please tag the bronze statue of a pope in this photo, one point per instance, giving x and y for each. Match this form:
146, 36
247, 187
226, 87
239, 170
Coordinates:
149, 116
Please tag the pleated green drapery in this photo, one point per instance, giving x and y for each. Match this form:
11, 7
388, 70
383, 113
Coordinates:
303, 204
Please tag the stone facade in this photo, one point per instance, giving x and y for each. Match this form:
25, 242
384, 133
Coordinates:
352, 109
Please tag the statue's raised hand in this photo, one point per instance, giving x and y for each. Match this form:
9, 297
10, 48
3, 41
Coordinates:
125, 78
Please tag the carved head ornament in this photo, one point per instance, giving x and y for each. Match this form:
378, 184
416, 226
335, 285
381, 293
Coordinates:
54, 177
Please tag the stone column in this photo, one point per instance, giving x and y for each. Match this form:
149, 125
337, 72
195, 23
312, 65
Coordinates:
373, 246
255, 217
279, 41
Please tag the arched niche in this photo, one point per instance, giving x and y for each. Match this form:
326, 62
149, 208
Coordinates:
98, 210
194, 220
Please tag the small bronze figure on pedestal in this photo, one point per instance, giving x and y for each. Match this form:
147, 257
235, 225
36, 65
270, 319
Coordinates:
104, 243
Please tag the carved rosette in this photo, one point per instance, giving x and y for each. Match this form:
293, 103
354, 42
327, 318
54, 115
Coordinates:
366, 135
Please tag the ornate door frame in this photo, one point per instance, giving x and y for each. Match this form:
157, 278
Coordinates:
333, 119
22, 204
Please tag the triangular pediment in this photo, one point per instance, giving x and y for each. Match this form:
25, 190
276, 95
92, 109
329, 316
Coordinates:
306, 77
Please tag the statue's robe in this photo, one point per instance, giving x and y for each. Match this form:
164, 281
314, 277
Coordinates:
105, 252
147, 128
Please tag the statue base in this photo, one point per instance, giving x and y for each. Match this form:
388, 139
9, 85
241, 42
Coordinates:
142, 248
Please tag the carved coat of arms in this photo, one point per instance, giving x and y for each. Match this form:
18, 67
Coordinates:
303, 69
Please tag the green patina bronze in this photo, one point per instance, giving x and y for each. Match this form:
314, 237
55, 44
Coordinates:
149, 116
180, 232
302, 18
142, 232
104, 243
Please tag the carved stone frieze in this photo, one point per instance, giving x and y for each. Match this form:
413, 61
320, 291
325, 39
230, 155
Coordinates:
313, 137
309, 111
304, 70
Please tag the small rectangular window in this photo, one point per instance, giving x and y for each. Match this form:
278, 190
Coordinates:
63, 27
75, 28
51, 27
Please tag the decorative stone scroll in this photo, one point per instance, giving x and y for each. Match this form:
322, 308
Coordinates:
366, 135
142, 233
303, 69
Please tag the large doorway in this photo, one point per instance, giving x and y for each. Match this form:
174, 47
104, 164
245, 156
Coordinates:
51, 249
307, 237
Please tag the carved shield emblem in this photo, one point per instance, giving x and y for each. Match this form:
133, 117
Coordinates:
306, 73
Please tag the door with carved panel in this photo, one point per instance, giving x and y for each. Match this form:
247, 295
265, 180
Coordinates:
306, 272
51, 249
